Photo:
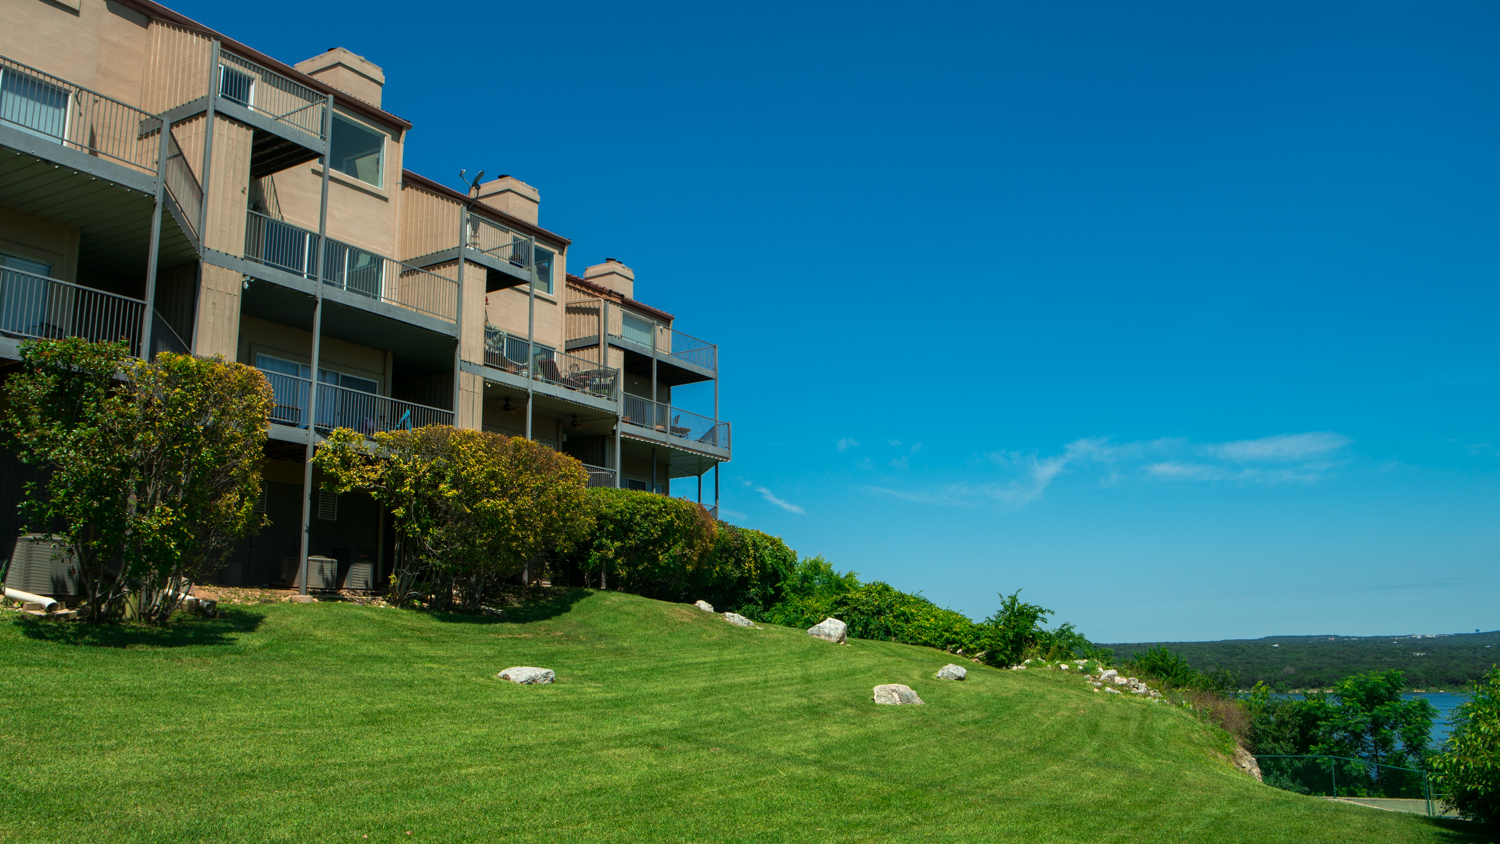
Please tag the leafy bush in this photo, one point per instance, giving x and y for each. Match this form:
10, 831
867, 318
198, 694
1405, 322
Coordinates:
154, 467
1363, 718
470, 507
1467, 771
647, 544
743, 570
1165, 669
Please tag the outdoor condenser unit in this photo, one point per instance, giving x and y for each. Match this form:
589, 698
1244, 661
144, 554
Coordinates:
322, 572
358, 569
40, 565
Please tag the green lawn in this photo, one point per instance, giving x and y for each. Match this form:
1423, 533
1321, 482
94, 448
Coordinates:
332, 722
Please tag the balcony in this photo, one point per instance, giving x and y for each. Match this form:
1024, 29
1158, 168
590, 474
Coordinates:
511, 354
34, 307
364, 275
677, 427
51, 110
680, 357
600, 476
341, 407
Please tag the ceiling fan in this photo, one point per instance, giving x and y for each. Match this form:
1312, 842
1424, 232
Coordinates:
576, 425
509, 408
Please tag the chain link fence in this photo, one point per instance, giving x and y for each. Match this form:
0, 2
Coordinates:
1354, 781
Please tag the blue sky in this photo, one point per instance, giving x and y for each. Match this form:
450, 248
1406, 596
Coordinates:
1177, 316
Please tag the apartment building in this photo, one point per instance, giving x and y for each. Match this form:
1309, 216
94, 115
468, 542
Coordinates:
167, 185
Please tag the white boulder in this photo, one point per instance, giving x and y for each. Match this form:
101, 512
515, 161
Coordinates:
738, 620
895, 694
528, 676
952, 672
1109, 675
830, 629
704, 605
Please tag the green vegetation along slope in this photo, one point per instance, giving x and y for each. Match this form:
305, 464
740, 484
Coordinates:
332, 722
1317, 662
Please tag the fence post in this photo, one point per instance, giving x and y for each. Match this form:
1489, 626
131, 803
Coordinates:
1333, 772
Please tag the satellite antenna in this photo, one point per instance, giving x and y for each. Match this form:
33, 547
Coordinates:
474, 184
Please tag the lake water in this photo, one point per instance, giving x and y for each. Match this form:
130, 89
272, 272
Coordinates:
1443, 702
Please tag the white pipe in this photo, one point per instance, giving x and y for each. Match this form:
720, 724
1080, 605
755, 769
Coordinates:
27, 598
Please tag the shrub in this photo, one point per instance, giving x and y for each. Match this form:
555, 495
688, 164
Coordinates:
743, 570
470, 507
646, 544
1467, 771
1013, 631
154, 467
808, 593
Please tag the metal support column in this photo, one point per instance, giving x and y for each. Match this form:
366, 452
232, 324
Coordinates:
208, 141
653, 469
147, 320
458, 347
619, 384
317, 348
531, 337
716, 424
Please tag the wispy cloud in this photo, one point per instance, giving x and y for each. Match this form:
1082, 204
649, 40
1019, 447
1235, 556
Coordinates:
1025, 477
726, 514
785, 505
846, 443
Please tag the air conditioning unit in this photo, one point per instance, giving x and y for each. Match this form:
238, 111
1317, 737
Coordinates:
358, 569
40, 566
322, 572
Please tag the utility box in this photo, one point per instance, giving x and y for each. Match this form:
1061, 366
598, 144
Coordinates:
322, 572
40, 565
356, 569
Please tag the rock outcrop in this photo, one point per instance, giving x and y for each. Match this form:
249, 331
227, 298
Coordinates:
528, 676
704, 605
895, 694
738, 620
830, 629
952, 672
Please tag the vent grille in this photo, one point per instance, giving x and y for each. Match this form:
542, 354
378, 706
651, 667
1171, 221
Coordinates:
328, 505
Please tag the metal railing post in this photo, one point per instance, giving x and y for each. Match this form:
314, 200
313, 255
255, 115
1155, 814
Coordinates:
149, 311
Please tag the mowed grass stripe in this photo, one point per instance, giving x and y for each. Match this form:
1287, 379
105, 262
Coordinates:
333, 721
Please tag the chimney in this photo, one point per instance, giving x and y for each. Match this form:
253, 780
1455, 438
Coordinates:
614, 275
355, 75
512, 196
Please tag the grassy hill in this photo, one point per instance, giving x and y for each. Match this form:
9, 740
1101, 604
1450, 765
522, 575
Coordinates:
1448, 662
332, 722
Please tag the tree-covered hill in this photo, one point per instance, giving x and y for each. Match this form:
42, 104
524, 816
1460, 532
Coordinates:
1431, 662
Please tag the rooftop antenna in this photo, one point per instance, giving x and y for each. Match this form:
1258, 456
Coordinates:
473, 185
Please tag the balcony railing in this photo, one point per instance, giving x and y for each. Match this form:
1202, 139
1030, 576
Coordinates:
56, 110
36, 306
501, 243
294, 250
341, 407
675, 422
182, 183
513, 354
267, 92
600, 476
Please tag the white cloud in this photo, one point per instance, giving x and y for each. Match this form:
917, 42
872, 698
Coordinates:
785, 505
1284, 458
1281, 448
895, 443
726, 514
846, 443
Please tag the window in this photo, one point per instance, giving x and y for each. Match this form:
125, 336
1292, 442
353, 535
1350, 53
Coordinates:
544, 269
236, 86
353, 269
34, 104
632, 483
23, 296
356, 150
349, 408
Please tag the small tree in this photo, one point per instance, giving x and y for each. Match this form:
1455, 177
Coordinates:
1467, 771
1013, 630
647, 544
154, 468
470, 507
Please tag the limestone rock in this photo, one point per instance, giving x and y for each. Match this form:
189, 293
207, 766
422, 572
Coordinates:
1245, 762
895, 694
1109, 675
830, 629
704, 605
952, 672
528, 676
1113, 691
738, 620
